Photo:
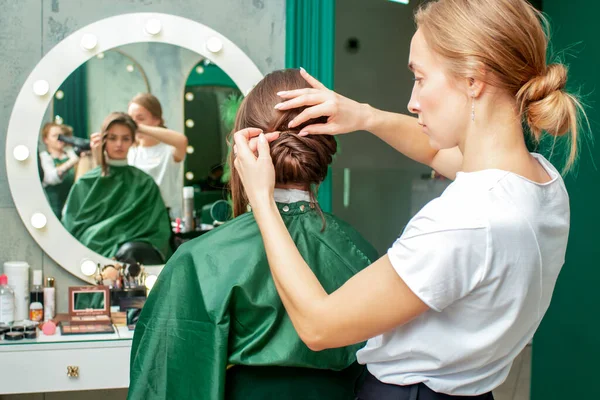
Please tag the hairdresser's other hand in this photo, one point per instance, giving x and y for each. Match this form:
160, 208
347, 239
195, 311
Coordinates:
253, 142
96, 148
95, 140
344, 115
256, 171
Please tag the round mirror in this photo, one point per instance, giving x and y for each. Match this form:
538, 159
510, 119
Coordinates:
106, 211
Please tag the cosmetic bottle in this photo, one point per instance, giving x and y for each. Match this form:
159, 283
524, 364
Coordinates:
49, 299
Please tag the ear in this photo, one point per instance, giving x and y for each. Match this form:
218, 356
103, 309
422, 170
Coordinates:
475, 87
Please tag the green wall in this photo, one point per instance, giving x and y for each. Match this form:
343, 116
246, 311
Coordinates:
566, 350
310, 43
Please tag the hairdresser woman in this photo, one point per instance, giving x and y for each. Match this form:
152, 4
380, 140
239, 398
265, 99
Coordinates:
464, 288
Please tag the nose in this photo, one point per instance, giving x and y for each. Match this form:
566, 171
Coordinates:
414, 107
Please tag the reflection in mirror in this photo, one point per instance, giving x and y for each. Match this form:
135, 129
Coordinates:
211, 100
89, 300
117, 181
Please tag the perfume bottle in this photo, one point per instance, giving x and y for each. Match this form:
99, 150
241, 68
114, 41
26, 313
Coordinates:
7, 302
36, 296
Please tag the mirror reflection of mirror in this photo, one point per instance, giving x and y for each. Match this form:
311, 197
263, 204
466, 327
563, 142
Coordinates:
117, 181
211, 101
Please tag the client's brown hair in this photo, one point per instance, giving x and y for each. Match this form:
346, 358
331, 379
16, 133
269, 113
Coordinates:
298, 160
115, 118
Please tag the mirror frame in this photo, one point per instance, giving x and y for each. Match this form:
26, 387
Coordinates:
29, 110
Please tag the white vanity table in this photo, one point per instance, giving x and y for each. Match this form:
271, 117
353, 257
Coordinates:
64, 363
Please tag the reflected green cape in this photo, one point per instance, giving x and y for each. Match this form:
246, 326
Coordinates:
215, 304
104, 212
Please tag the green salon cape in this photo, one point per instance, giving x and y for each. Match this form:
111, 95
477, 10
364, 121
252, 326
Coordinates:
215, 304
104, 212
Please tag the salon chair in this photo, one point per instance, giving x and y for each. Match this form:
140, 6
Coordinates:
140, 252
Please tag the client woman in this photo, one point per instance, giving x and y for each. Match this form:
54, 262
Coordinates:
116, 203
213, 326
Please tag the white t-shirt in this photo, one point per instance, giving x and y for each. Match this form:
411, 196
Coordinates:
158, 162
485, 257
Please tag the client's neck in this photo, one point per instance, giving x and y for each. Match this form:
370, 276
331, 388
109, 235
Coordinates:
296, 186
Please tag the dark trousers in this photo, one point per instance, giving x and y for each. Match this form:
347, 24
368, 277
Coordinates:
291, 383
373, 389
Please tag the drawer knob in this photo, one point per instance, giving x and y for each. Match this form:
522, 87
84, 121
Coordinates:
72, 371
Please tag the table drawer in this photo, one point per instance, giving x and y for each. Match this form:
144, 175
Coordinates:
47, 370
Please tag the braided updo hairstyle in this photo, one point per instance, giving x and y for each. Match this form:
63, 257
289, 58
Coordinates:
298, 160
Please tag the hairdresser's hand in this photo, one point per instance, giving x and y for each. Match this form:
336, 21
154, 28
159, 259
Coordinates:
253, 142
96, 146
95, 140
345, 115
256, 172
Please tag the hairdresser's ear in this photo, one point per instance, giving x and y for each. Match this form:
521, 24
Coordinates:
476, 83
475, 87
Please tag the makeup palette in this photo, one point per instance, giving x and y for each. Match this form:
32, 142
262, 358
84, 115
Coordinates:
89, 311
89, 305
86, 329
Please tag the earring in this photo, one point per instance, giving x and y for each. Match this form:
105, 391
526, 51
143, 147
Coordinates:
472, 108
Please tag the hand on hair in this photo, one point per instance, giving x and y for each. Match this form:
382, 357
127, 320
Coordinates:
253, 141
96, 146
256, 171
95, 140
344, 115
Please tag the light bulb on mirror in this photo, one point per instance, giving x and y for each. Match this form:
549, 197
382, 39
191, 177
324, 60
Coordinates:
189, 96
21, 152
199, 69
130, 68
189, 175
150, 281
41, 87
153, 27
38, 220
189, 123
214, 44
58, 119
100, 56
190, 150
88, 267
60, 95
89, 41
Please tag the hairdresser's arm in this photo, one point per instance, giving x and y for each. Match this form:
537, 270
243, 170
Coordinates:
178, 140
345, 115
53, 175
372, 302
67, 165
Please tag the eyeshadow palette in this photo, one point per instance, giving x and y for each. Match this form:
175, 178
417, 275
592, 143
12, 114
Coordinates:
89, 305
86, 329
90, 319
